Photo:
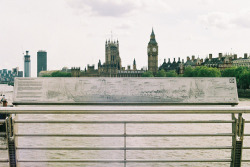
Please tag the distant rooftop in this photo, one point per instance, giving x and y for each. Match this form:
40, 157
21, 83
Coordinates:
42, 51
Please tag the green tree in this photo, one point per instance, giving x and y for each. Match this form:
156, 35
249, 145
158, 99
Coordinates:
228, 72
171, 73
60, 74
46, 75
148, 74
196, 71
205, 71
188, 72
161, 73
240, 73
244, 79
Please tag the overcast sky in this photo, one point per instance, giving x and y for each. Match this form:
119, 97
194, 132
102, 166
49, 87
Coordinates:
73, 32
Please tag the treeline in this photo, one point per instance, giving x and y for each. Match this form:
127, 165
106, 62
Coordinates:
58, 74
242, 74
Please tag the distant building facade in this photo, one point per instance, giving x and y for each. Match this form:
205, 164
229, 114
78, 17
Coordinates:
242, 62
221, 62
193, 62
41, 61
178, 66
8, 76
75, 72
112, 60
27, 66
153, 54
112, 67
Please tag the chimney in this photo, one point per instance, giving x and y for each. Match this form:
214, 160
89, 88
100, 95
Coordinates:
235, 56
27, 52
210, 56
128, 67
168, 60
174, 60
188, 58
164, 60
183, 61
245, 55
193, 58
179, 59
220, 55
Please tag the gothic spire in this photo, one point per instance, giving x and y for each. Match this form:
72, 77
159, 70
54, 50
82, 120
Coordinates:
152, 33
152, 37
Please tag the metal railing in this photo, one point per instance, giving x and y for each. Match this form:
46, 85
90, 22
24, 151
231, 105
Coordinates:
236, 135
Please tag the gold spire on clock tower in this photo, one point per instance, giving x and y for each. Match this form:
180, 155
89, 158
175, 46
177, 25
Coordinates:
153, 54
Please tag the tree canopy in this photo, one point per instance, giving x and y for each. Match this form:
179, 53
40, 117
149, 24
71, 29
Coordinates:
58, 74
171, 73
242, 75
188, 72
161, 73
203, 71
148, 74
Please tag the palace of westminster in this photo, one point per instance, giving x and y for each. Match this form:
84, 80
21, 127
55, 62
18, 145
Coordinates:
112, 67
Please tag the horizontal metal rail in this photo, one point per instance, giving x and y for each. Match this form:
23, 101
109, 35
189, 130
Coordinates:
245, 160
2, 121
3, 148
122, 161
124, 110
123, 148
123, 135
4, 160
122, 122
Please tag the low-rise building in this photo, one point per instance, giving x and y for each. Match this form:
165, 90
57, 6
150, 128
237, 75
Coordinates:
242, 62
177, 66
221, 62
8, 76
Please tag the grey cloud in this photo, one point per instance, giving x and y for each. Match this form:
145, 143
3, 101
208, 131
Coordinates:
114, 8
226, 20
215, 19
242, 20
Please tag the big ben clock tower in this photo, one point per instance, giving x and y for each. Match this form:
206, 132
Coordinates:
153, 54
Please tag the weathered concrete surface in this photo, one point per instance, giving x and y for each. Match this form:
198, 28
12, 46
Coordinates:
126, 90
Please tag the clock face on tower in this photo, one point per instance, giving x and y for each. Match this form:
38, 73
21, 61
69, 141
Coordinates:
154, 49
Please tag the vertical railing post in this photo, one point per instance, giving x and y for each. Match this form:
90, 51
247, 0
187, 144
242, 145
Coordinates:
234, 130
237, 140
11, 142
125, 144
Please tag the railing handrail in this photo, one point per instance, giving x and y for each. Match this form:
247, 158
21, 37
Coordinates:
122, 122
123, 135
125, 110
123, 161
128, 110
121, 148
